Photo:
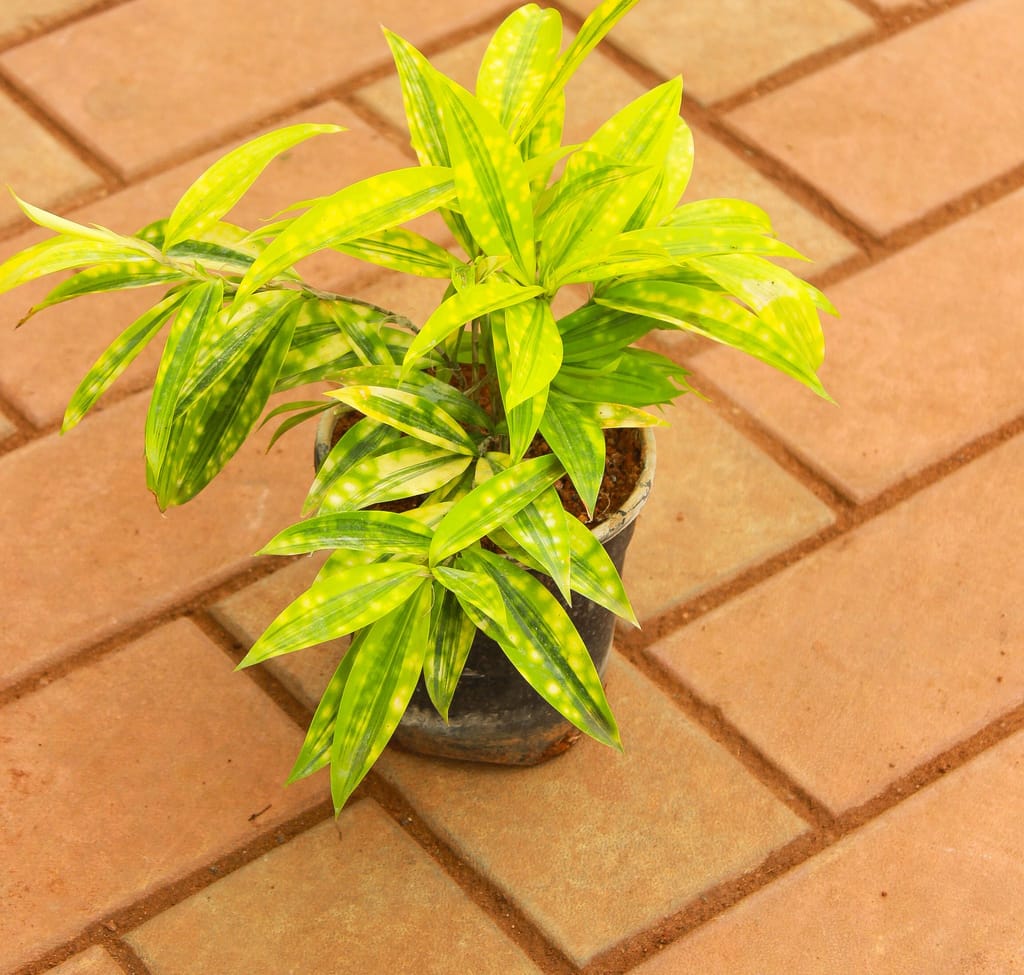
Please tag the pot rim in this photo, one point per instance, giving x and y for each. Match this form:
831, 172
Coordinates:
618, 520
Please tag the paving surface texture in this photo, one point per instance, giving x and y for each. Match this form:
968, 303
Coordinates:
824, 710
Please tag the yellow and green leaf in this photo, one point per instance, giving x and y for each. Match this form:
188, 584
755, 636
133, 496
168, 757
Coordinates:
413, 414
377, 690
336, 604
359, 210
492, 504
225, 182
544, 646
384, 532
492, 185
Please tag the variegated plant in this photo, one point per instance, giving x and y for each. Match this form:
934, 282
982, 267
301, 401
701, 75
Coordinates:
450, 406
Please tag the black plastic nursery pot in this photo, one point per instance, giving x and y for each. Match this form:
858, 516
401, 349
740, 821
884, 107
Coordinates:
495, 715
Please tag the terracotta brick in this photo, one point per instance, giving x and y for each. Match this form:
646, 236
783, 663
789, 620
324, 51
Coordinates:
882, 649
719, 506
232, 72
717, 172
94, 961
35, 164
935, 885
614, 842
86, 550
914, 378
20, 17
128, 773
896, 130
367, 900
42, 363
248, 612
722, 48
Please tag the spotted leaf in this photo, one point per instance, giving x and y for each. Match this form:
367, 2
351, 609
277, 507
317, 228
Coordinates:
472, 302
359, 210
380, 683
117, 357
491, 504
206, 434
492, 184
736, 214
527, 350
407, 411
316, 748
373, 531
402, 250
64, 253
452, 400
116, 276
544, 646
778, 341
577, 441
593, 573
600, 20
451, 636
636, 377
518, 61
523, 422
198, 313
225, 182
336, 604
406, 471
362, 440
686, 241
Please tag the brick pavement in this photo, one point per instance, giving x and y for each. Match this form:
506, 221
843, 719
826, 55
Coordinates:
824, 711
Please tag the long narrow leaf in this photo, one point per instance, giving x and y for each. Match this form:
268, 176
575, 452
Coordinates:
408, 471
225, 182
463, 307
406, 411
378, 689
452, 400
719, 319
362, 440
337, 604
523, 422
578, 442
593, 574
197, 313
601, 20
492, 184
117, 357
373, 531
316, 748
451, 636
527, 341
546, 649
62, 254
217, 421
364, 208
116, 276
62, 225
402, 250
248, 327
518, 61
492, 503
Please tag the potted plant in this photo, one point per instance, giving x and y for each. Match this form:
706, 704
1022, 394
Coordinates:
457, 486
